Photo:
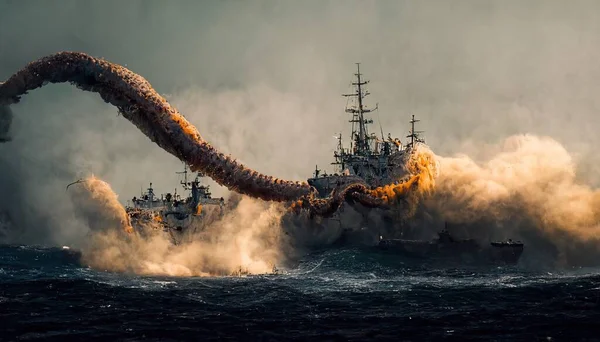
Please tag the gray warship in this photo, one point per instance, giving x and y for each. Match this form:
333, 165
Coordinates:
446, 247
375, 161
370, 159
178, 216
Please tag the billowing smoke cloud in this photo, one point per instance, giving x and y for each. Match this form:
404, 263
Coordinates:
97, 203
246, 240
526, 189
265, 78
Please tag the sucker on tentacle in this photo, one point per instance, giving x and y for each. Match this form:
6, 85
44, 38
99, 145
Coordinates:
139, 103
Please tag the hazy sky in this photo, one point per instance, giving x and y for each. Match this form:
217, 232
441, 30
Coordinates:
262, 80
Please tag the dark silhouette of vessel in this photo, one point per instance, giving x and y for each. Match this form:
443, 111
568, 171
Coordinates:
447, 247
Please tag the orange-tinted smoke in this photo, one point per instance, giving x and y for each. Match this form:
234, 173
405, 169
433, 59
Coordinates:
392, 191
100, 195
422, 168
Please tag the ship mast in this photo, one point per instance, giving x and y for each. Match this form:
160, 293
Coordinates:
184, 183
414, 135
362, 136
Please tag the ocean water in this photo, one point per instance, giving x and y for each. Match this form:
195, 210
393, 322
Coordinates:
334, 295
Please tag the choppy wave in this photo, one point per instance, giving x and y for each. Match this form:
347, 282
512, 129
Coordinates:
343, 294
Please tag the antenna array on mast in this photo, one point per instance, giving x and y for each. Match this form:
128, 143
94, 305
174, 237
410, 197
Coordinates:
414, 135
360, 133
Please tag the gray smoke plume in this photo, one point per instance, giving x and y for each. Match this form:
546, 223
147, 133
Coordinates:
270, 75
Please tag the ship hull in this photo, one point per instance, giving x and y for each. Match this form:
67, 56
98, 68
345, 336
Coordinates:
465, 251
178, 227
509, 254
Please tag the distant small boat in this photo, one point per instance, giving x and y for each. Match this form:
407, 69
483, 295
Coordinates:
445, 246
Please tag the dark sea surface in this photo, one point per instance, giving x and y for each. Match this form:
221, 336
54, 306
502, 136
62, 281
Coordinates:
335, 295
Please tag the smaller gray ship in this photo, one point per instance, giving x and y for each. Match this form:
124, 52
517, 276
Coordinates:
177, 216
447, 247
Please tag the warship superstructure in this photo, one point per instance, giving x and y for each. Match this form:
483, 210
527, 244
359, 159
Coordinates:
174, 213
370, 159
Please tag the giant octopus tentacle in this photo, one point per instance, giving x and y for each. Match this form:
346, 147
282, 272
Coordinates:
139, 103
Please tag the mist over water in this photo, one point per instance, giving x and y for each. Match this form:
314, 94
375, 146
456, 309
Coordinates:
246, 239
506, 92
527, 189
